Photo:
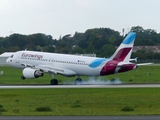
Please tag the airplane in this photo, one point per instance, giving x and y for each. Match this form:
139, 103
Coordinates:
35, 64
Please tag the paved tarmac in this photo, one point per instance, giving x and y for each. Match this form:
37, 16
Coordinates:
80, 86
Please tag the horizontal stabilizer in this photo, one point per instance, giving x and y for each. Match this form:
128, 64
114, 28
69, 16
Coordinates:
135, 59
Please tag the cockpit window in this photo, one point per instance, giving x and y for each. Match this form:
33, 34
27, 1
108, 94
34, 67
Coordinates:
12, 56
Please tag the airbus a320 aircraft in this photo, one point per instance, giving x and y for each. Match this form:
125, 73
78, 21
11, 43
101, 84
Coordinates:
35, 64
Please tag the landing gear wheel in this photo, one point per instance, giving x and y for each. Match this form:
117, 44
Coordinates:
22, 77
78, 81
54, 82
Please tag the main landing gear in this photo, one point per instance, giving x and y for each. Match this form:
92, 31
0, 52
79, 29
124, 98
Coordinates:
22, 77
54, 82
78, 81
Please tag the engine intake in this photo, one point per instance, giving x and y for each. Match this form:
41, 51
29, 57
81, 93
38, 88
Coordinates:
32, 73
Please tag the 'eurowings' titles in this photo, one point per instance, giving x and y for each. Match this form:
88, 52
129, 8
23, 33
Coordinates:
34, 56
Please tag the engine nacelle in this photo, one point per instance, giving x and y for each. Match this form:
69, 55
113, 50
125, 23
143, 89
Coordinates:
31, 73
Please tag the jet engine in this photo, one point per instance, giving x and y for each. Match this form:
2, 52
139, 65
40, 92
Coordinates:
31, 73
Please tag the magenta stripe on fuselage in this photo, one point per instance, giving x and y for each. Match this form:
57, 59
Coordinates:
110, 66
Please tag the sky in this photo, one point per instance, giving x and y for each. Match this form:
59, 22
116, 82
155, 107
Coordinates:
61, 17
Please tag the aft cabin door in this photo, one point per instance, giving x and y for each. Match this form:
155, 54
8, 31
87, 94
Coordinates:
51, 62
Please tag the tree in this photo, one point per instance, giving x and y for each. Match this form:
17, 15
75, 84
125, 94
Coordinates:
2, 50
107, 50
140, 54
98, 40
64, 50
66, 37
39, 48
111, 39
90, 49
51, 49
78, 50
13, 48
137, 29
83, 44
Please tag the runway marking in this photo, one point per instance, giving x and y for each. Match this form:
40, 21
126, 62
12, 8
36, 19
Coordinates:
80, 86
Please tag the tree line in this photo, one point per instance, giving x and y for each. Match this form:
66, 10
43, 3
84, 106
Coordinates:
101, 41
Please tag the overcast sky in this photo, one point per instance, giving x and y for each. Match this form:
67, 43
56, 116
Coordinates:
61, 17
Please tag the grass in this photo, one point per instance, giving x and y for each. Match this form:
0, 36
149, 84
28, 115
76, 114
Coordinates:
144, 74
81, 101
2, 109
43, 109
101, 101
127, 109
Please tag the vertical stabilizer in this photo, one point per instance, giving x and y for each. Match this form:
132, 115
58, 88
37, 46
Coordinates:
123, 53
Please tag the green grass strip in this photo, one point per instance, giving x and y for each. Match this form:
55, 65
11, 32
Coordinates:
144, 74
80, 101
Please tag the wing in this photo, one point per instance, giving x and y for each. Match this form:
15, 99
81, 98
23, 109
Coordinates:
48, 69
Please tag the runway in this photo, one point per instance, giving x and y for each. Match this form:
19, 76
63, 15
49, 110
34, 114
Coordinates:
80, 86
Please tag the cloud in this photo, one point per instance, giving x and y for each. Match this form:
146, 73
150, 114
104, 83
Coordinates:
82, 3
4, 4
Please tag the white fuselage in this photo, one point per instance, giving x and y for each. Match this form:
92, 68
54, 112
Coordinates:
81, 65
